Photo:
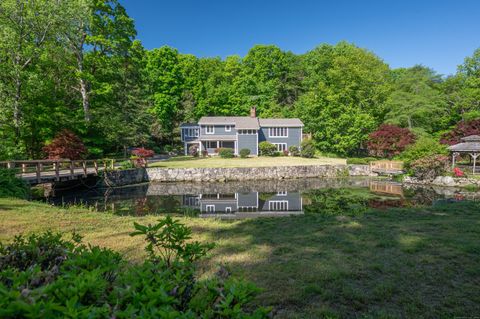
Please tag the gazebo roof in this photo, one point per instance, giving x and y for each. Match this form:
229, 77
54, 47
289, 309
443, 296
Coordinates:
469, 144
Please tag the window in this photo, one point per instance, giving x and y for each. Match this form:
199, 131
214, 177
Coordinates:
211, 144
209, 129
228, 128
247, 132
228, 209
191, 132
210, 208
278, 132
278, 205
281, 146
282, 193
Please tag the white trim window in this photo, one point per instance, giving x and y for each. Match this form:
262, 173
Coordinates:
228, 210
247, 132
278, 132
191, 132
228, 128
278, 205
282, 193
210, 208
209, 129
281, 146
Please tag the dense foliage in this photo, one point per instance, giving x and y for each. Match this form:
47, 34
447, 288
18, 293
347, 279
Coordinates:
427, 168
307, 149
11, 186
244, 152
423, 147
78, 65
389, 140
48, 276
462, 129
266, 148
226, 152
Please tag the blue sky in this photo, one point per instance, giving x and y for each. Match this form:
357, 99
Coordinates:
438, 34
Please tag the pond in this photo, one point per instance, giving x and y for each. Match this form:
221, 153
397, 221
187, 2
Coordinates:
257, 198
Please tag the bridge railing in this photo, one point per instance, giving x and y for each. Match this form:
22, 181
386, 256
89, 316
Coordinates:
54, 169
385, 165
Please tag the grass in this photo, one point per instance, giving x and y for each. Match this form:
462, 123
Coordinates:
261, 161
399, 263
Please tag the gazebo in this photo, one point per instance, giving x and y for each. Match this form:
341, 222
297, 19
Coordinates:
469, 145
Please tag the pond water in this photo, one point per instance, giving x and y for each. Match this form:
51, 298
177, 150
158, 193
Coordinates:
257, 198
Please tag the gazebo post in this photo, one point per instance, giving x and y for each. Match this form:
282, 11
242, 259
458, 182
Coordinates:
474, 156
453, 160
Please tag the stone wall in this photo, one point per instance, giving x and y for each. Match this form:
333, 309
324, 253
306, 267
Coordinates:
443, 181
157, 174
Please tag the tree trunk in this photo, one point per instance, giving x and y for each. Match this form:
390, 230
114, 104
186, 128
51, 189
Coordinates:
409, 122
16, 108
85, 99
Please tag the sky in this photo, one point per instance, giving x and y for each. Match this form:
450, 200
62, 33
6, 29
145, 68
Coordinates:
438, 34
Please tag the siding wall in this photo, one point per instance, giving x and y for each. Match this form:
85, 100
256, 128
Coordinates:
219, 130
294, 136
248, 141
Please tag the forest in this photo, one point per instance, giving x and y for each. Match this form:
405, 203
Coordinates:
78, 64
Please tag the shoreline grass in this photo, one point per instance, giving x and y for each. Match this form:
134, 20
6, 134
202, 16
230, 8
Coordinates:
408, 262
261, 161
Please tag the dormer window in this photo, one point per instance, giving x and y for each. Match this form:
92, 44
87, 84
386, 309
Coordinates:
228, 128
209, 129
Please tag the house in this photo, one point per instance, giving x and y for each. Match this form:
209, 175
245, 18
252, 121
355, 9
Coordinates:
244, 204
238, 132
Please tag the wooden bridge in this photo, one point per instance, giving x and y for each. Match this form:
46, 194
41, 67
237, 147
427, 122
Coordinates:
386, 167
47, 171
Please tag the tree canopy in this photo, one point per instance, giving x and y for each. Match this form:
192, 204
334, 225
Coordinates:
77, 65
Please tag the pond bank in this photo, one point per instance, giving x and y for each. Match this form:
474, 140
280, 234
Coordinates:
157, 174
444, 181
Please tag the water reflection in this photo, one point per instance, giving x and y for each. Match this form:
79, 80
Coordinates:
258, 198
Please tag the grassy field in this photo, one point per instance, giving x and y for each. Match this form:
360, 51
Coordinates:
194, 162
399, 263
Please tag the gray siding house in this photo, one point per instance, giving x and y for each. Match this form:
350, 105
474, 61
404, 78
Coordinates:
238, 132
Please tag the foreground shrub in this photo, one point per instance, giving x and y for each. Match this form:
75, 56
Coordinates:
11, 186
423, 147
293, 150
389, 140
226, 152
48, 276
244, 152
267, 148
427, 168
307, 149
66, 145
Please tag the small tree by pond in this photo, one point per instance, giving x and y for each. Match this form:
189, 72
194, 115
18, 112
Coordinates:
389, 140
65, 145
462, 129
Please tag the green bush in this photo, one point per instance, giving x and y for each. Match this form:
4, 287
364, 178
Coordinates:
423, 147
307, 149
11, 186
193, 150
226, 152
293, 150
244, 152
48, 276
126, 165
267, 148
360, 160
427, 168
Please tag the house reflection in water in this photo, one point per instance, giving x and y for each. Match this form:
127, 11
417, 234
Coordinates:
249, 204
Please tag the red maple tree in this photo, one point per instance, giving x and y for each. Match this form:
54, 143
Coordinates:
143, 152
389, 140
65, 145
463, 128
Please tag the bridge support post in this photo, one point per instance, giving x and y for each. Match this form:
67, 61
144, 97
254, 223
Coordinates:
72, 169
84, 165
57, 171
38, 173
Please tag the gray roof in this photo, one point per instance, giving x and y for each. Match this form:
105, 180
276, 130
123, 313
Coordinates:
245, 122
188, 124
281, 122
469, 144
240, 122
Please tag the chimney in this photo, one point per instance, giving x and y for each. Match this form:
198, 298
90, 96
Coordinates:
253, 111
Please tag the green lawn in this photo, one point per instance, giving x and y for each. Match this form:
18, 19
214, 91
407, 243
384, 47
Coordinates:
261, 161
400, 263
